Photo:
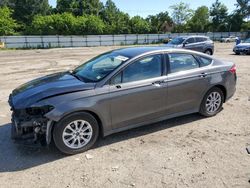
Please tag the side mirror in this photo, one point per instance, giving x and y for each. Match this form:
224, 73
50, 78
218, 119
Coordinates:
184, 44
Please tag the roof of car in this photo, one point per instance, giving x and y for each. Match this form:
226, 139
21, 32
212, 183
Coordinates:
188, 36
131, 52
135, 51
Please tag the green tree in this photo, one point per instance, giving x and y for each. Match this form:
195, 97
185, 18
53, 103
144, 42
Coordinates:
66, 24
160, 23
25, 10
245, 26
90, 7
61, 24
65, 6
181, 13
4, 3
94, 25
200, 20
80, 7
218, 13
7, 23
116, 21
235, 21
139, 25
244, 6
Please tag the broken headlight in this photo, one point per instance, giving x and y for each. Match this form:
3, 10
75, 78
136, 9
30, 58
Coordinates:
36, 111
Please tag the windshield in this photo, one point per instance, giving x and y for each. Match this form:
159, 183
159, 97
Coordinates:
99, 67
177, 41
247, 40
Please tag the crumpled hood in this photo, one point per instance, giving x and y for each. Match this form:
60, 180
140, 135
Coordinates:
44, 87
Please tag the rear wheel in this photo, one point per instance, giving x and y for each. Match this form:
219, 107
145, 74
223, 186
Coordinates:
208, 52
76, 133
212, 102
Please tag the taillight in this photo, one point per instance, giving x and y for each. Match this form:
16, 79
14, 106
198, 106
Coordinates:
233, 69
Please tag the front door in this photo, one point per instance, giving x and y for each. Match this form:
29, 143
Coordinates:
190, 44
138, 92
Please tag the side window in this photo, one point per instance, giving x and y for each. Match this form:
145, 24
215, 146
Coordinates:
145, 68
181, 62
200, 39
190, 40
117, 79
205, 61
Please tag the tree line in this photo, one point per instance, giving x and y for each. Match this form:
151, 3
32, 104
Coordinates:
80, 17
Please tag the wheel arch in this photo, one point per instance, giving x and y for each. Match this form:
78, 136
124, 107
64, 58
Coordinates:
98, 119
224, 91
209, 49
222, 88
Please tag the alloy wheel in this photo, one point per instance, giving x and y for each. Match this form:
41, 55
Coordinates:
77, 134
213, 102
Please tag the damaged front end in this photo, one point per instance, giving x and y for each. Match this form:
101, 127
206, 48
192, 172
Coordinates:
30, 124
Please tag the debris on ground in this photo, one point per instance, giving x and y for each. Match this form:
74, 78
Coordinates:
88, 156
115, 168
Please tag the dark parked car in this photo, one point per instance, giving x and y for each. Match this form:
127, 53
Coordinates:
197, 43
119, 90
242, 48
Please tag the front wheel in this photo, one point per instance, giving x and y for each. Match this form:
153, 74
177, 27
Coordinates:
76, 133
212, 102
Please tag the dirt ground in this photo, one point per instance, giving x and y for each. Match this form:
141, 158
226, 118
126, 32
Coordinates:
189, 151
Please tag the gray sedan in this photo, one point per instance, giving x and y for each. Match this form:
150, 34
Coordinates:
116, 91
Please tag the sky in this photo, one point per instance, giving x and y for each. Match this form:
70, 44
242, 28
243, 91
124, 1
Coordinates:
151, 7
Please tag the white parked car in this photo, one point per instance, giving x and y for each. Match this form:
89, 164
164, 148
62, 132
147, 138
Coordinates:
229, 39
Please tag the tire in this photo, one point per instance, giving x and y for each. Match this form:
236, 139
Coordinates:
205, 109
208, 52
237, 53
76, 133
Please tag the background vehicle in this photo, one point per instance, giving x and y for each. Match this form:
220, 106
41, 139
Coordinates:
242, 48
197, 43
119, 90
229, 39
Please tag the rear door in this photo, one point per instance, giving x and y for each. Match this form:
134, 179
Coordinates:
187, 83
200, 44
138, 92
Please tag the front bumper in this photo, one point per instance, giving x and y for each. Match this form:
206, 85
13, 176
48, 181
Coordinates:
28, 127
241, 50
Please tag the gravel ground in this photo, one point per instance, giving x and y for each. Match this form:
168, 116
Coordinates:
189, 151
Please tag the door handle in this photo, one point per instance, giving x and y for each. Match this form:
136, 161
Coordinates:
157, 83
118, 86
203, 75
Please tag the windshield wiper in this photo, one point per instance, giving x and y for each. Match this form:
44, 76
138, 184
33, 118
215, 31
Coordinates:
72, 73
81, 78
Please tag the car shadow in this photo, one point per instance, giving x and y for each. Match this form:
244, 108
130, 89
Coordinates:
15, 157
233, 54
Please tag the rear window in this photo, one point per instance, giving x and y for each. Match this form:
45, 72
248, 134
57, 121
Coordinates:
204, 61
